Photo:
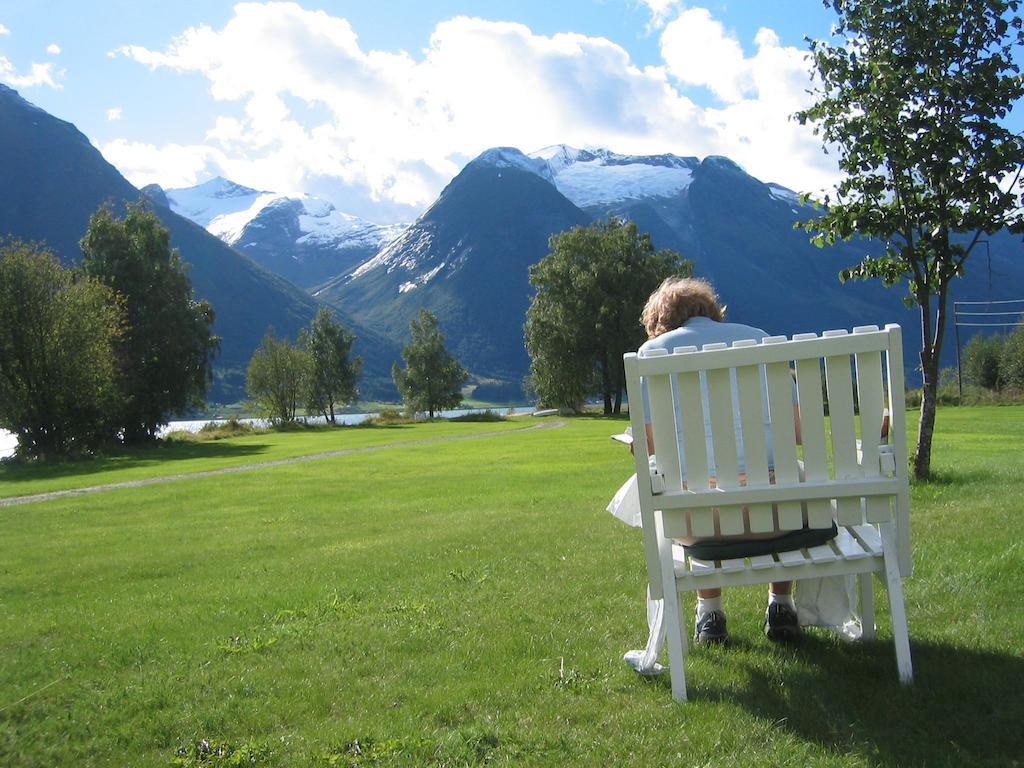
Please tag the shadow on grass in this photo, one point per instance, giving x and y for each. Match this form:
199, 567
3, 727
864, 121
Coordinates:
964, 708
128, 458
954, 477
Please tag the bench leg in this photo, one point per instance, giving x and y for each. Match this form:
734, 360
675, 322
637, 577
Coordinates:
865, 583
675, 625
894, 586
675, 629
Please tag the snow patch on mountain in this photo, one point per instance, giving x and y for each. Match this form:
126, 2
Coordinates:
784, 194
226, 209
406, 252
229, 226
787, 196
593, 182
510, 157
215, 199
599, 176
422, 279
322, 223
558, 156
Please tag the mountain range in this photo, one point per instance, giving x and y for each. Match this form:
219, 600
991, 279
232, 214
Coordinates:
466, 258
51, 181
304, 239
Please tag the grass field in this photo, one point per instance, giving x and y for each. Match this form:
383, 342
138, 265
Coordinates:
467, 603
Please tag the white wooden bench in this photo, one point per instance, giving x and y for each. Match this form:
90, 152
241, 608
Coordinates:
862, 484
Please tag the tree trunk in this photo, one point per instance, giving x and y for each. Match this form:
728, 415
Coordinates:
606, 385
620, 378
931, 348
926, 425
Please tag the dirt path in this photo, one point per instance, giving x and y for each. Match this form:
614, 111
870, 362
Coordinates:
37, 497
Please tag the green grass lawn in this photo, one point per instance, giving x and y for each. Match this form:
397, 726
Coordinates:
178, 457
468, 603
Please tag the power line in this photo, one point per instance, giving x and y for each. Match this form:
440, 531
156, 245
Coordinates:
1006, 301
1018, 321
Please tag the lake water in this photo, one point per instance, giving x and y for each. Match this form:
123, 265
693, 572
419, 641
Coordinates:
8, 442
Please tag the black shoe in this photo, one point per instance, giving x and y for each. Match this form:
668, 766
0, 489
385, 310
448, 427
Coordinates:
710, 629
781, 624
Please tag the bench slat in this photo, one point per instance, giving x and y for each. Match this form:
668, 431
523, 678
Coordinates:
752, 409
792, 557
812, 426
870, 398
666, 447
844, 433
780, 408
850, 547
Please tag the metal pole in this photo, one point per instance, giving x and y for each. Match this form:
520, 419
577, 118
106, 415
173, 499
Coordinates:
956, 330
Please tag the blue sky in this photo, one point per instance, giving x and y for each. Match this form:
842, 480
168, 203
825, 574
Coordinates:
376, 105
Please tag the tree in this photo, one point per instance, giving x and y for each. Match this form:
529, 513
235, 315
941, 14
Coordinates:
912, 98
591, 288
333, 375
278, 378
981, 361
432, 379
57, 337
165, 354
1011, 361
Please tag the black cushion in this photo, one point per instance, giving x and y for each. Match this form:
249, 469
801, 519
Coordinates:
729, 549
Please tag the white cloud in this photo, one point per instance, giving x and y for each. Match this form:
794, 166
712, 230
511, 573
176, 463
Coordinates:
4, 30
397, 128
758, 95
171, 165
39, 74
53, 49
114, 113
660, 11
698, 51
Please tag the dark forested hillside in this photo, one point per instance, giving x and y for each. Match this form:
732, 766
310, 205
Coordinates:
52, 179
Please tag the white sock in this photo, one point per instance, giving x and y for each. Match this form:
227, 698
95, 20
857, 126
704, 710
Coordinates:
786, 599
707, 604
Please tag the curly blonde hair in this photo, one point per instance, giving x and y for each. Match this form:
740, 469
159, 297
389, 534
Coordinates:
678, 299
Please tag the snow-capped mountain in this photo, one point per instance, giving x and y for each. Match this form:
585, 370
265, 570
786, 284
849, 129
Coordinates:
594, 177
219, 206
304, 239
600, 177
467, 258
53, 179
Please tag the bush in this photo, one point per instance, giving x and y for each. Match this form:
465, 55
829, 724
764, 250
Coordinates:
499, 392
277, 379
230, 428
487, 415
981, 361
212, 430
389, 416
58, 362
1011, 361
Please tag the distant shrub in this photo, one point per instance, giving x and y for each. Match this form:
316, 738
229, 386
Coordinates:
981, 361
948, 392
213, 430
388, 416
487, 415
499, 392
1011, 360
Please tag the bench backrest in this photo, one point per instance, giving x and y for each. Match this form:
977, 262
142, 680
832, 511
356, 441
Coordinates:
708, 409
